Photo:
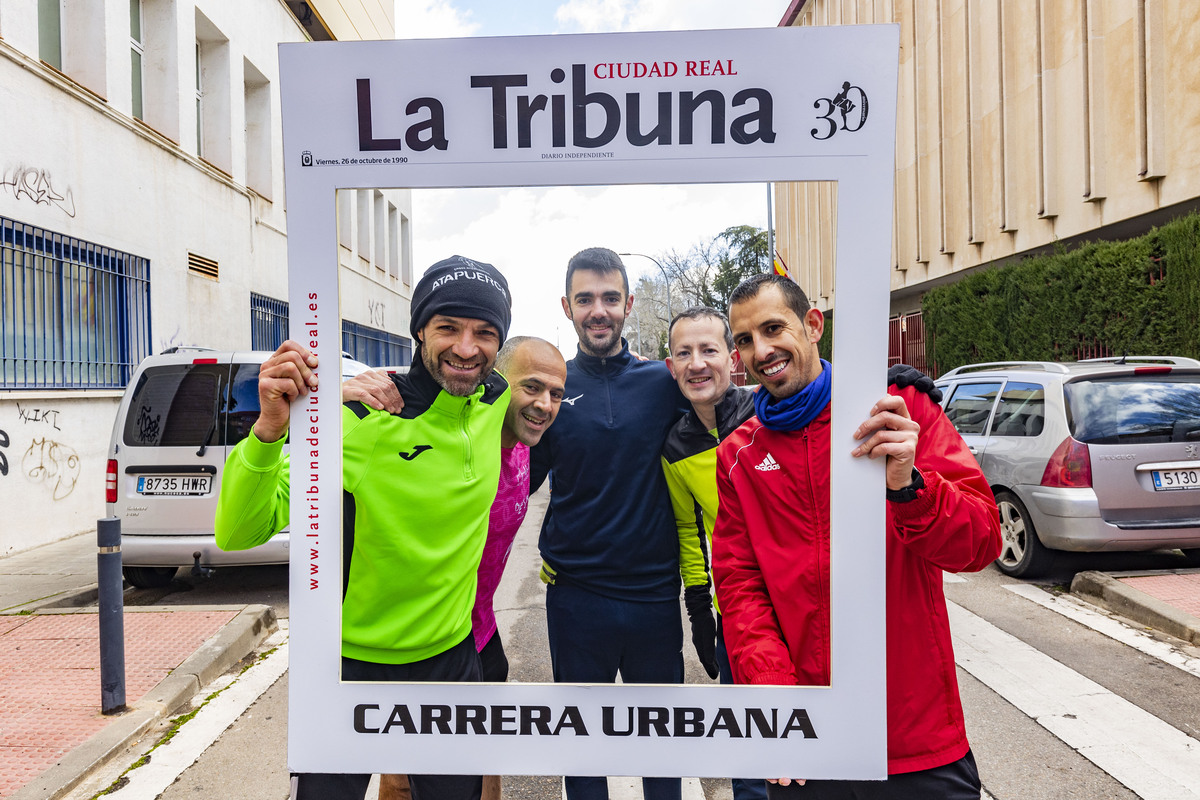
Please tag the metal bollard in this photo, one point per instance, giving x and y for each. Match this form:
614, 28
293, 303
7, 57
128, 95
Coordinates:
112, 616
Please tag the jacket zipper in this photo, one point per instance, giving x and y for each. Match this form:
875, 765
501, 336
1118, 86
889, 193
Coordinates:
607, 391
468, 461
822, 543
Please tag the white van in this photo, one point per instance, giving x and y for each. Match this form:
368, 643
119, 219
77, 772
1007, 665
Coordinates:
182, 413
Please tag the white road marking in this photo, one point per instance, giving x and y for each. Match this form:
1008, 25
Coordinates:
1153, 759
194, 737
1075, 609
952, 577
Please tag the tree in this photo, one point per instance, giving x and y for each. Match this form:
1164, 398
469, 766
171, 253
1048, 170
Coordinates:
711, 269
646, 327
703, 276
744, 255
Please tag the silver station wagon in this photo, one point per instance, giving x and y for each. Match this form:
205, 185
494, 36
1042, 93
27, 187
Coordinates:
1097, 455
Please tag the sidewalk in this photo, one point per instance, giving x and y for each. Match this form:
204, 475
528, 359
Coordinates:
52, 733
1166, 600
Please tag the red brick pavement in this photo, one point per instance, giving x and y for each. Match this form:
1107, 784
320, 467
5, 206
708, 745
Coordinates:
50, 679
1181, 590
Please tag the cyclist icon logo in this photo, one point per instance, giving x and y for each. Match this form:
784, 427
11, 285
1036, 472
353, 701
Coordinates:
850, 99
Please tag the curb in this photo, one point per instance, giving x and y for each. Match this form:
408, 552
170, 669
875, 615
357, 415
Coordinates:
216, 656
73, 598
1108, 592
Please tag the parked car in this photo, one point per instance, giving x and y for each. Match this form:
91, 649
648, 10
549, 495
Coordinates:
1094, 455
182, 412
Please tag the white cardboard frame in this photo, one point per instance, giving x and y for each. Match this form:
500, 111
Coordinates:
800, 72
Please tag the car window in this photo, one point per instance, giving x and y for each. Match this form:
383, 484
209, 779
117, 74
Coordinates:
242, 408
970, 405
1022, 410
1134, 408
177, 405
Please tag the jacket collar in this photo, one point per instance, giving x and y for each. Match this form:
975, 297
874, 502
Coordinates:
594, 365
420, 383
735, 407
417, 387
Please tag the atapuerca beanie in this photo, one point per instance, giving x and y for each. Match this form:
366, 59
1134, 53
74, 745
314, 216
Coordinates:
459, 287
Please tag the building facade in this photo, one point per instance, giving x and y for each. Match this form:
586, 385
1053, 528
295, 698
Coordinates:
142, 208
1022, 125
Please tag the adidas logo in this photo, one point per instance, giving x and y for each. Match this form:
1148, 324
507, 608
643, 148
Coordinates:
769, 463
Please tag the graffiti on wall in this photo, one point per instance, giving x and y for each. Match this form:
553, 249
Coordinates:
37, 185
38, 415
174, 340
45, 461
375, 310
52, 463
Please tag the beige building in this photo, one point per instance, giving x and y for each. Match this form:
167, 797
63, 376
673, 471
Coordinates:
1021, 124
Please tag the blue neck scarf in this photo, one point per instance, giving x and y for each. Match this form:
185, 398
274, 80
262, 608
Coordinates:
793, 413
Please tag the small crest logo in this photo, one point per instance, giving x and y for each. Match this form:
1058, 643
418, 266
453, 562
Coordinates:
1190, 451
845, 103
306, 159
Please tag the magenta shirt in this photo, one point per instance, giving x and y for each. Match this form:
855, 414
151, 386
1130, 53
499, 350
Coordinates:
508, 511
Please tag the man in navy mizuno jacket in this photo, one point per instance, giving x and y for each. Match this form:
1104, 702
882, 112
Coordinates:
609, 546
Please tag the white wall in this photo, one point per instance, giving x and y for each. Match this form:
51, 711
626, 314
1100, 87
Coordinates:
52, 456
141, 188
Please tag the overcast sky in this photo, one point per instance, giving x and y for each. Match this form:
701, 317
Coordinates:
530, 233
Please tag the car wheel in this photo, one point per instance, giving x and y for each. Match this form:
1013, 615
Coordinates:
1022, 554
149, 577
1193, 557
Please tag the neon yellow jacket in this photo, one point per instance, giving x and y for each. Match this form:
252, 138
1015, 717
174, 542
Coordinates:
689, 462
418, 488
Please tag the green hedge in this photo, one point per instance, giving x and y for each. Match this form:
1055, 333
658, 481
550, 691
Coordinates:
1048, 307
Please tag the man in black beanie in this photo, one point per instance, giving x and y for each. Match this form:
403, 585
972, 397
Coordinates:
418, 488
458, 287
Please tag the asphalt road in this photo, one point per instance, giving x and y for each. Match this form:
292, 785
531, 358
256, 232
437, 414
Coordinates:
1037, 650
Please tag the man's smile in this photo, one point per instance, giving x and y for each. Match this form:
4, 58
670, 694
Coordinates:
775, 367
461, 366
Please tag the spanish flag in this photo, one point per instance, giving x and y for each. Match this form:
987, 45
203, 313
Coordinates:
780, 267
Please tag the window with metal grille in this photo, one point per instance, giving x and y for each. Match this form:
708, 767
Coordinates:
72, 314
268, 322
375, 347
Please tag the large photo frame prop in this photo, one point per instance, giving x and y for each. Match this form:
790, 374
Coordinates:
780, 104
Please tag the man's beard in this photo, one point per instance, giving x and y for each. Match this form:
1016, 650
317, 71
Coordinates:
457, 386
610, 342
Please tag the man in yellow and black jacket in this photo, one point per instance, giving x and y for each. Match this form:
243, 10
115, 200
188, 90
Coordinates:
701, 360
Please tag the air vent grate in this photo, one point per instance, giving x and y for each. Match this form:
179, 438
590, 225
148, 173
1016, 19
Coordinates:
203, 266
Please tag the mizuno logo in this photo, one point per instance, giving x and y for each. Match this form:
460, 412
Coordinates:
416, 451
769, 463
571, 400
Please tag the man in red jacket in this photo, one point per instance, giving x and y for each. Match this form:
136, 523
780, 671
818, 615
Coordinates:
771, 543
